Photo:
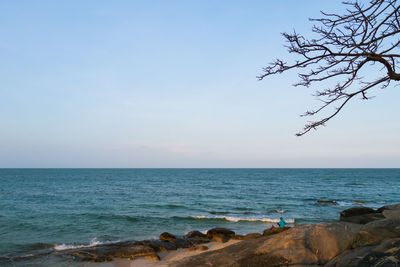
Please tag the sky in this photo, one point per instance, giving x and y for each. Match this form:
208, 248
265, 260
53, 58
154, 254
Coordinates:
172, 84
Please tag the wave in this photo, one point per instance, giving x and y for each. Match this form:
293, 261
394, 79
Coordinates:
241, 219
93, 243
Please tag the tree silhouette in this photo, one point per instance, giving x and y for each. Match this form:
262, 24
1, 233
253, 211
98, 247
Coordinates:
366, 34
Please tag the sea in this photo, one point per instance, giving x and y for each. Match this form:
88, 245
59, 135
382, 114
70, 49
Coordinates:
45, 210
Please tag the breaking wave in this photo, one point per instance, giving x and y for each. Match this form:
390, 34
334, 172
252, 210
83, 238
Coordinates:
241, 219
94, 242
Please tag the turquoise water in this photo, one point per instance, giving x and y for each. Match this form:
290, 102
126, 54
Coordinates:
47, 209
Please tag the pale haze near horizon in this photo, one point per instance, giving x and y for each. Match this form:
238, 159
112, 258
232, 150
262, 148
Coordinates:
171, 84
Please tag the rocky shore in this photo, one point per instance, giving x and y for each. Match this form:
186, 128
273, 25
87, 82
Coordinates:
362, 237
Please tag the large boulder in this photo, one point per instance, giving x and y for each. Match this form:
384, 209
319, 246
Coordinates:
301, 245
195, 234
274, 231
387, 253
167, 237
360, 215
220, 235
376, 231
389, 207
128, 250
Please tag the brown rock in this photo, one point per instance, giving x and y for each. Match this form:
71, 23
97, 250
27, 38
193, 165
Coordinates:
356, 211
220, 231
195, 234
391, 214
376, 231
239, 237
300, 245
220, 238
158, 245
363, 219
197, 241
154, 258
108, 252
181, 243
167, 237
387, 253
274, 231
389, 207
252, 236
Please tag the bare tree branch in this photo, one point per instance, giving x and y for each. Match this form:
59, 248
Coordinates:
348, 43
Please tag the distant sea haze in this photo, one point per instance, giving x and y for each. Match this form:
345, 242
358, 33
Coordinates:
54, 209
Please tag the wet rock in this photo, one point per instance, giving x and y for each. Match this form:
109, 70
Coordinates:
356, 211
108, 252
360, 215
158, 245
181, 243
274, 231
363, 219
167, 237
195, 234
332, 202
220, 232
197, 241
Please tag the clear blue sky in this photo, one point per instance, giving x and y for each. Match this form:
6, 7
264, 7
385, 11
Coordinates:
171, 84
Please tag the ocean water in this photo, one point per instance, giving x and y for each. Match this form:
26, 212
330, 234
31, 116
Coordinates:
53, 209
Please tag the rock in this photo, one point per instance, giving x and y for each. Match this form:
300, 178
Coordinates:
221, 232
376, 231
387, 253
167, 237
199, 248
248, 236
108, 252
363, 219
158, 245
195, 234
301, 245
220, 238
154, 258
181, 243
358, 202
252, 236
274, 231
327, 202
389, 207
391, 214
356, 211
360, 215
197, 241
239, 237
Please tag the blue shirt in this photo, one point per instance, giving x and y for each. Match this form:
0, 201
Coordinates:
281, 223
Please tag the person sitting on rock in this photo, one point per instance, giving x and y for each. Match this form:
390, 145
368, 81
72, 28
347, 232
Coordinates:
281, 223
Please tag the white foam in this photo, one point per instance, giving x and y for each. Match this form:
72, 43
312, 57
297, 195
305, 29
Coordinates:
92, 243
239, 219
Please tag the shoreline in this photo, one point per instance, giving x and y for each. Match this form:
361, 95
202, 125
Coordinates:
362, 237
